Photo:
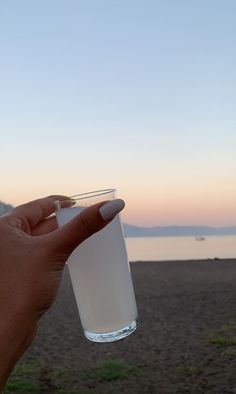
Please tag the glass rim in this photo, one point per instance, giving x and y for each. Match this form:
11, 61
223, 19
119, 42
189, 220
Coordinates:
91, 194
94, 193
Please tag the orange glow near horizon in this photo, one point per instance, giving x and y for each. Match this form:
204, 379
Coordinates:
179, 202
159, 212
179, 207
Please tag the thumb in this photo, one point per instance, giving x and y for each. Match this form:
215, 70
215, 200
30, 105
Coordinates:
92, 219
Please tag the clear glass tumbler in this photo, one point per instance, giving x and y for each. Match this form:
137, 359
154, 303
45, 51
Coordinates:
100, 275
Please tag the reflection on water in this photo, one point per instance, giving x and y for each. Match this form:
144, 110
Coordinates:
180, 248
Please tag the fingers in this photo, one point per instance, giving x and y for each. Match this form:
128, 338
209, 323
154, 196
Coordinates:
38, 210
64, 240
46, 226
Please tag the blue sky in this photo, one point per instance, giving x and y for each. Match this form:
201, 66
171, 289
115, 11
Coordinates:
138, 95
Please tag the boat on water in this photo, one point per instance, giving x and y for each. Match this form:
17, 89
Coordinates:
200, 238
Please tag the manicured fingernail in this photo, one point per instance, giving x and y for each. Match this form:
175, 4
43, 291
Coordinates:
111, 208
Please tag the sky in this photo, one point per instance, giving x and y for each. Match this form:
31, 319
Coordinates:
135, 95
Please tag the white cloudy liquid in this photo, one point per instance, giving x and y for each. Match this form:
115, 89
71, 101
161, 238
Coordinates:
101, 278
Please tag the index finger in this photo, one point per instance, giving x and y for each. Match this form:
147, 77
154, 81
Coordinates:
37, 210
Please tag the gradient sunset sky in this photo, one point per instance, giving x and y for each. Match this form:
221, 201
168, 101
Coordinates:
136, 95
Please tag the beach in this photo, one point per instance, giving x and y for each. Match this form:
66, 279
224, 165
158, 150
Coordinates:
185, 341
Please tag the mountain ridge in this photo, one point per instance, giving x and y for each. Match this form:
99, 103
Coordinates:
176, 230
4, 208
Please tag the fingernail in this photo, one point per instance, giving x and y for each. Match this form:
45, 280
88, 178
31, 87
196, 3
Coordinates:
111, 208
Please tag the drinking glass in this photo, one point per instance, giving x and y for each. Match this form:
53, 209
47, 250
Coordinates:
100, 274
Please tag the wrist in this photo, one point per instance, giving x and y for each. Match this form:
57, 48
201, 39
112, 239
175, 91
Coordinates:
16, 335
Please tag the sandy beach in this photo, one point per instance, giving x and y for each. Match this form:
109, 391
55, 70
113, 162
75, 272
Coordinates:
185, 342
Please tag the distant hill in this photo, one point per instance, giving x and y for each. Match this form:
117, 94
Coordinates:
4, 208
177, 231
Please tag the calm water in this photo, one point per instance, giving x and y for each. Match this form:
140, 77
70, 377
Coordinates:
180, 248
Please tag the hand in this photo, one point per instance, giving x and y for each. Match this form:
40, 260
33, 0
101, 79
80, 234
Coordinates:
33, 252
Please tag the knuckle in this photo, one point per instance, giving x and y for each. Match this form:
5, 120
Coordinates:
85, 225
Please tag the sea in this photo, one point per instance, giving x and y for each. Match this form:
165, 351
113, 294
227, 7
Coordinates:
180, 248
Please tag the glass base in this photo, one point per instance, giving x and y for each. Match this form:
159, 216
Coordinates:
111, 336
